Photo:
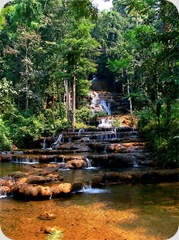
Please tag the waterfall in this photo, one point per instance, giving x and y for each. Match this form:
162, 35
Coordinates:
56, 143
62, 166
105, 106
88, 161
105, 123
95, 98
44, 144
26, 160
115, 133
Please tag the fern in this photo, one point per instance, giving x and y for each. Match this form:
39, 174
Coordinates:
55, 235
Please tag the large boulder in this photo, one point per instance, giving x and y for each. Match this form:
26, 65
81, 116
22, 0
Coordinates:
61, 188
76, 163
43, 192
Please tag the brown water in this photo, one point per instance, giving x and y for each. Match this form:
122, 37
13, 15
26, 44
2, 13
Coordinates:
131, 212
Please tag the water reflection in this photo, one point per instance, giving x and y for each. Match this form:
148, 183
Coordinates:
148, 211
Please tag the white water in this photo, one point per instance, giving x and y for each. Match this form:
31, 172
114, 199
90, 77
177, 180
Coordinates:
57, 142
88, 161
44, 144
105, 123
88, 189
80, 131
3, 196
26, 161
105, 106
95, 98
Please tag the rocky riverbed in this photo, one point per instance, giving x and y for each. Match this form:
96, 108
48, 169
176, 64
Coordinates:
44, 182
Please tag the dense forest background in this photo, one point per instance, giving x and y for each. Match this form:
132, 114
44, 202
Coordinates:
50, 50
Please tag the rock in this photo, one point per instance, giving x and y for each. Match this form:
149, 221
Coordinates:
55, 177
21, 181
9, 183
37, 179
77, 186
48, 229
61, 188
97, 180
4, 190
28, 190
76, 163
18, 174
5, 157
45, 191
41, 192
31, 191
46, 216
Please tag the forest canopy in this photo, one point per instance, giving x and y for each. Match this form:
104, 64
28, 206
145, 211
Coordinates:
49, 48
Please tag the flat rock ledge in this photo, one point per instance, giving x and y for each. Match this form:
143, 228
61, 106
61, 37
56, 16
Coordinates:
41, 192
144, 177
40, 188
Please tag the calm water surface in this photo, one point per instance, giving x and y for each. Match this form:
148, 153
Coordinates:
155, 205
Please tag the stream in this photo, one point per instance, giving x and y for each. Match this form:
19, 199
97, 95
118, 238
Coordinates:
113, 212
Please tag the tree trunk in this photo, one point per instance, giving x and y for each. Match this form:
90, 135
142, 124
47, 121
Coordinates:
67, 87
26, 76
74, 103
130, 100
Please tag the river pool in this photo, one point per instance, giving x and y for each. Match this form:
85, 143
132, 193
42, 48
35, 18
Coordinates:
124, 212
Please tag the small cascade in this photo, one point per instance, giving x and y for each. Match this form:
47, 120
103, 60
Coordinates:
105, 123
63, 165
95, 98
105, 106
55, 160
135, 164
80, 131
57, 142
63, 160
105, 148
26, 160
88, 161
90, 190
115, 133
3, 195
44, 144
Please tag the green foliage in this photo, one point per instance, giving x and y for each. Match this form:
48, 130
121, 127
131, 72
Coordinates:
83, 115
5, 142
6, 95
117, 123
83, 88
55, 235
163, 136
53, 122
25, 130
95, 116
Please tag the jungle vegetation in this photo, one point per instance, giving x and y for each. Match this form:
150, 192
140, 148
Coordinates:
49, 50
